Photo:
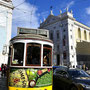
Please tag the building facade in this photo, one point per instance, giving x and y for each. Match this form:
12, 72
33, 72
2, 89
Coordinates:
5, 28
67, 35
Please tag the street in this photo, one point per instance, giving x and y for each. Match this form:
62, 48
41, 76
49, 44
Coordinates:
3, 83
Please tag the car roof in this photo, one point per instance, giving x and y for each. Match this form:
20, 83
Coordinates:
61, 68
68, 69
75, 69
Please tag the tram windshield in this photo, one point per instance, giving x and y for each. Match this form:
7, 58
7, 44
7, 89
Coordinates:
47, 52
33, 54
18, 54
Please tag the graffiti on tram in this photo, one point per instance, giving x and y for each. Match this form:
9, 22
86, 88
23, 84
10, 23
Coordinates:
30, 77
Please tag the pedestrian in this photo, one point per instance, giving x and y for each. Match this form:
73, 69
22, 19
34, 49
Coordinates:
45, 61
2, 69
83, 67
5, 69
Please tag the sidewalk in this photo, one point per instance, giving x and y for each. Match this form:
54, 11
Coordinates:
3, 83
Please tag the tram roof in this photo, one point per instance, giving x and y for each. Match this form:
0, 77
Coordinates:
31, 36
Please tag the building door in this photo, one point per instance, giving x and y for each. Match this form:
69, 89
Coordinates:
58, 59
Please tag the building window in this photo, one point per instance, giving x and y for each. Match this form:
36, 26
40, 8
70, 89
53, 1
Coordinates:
66, 24
64, 30
64, 55
79, 33
64, 37
58, 35
51, 36
71, 47
71, 36
72, 56
54, 27
64, 43
57, 47
48, 21
85, 36
53, 18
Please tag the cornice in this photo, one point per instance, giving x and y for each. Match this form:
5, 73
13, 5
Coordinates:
81, 25
59, 19
7, 4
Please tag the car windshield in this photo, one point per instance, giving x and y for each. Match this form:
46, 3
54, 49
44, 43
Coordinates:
78, 73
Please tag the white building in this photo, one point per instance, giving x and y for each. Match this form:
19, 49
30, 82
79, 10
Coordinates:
64, 33
5, 28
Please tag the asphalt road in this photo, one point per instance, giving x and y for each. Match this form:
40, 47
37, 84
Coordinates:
3, 83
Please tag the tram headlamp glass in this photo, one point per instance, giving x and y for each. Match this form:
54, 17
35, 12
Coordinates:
32, 83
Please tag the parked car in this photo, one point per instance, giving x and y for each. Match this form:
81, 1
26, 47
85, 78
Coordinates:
70, 79
61, 67
88, 71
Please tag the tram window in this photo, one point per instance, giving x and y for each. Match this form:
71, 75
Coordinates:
47, 51
33, 54
18, 53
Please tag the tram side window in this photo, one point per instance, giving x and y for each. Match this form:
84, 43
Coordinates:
18, 54
47, 55
33, 54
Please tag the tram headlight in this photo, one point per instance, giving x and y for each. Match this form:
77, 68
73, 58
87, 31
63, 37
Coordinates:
32, 83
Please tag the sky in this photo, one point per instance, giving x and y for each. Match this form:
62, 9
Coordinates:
29, 13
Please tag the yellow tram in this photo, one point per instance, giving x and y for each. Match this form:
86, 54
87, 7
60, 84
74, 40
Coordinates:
30, 60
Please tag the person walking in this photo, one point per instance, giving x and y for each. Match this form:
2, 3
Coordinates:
5, 69
2, 70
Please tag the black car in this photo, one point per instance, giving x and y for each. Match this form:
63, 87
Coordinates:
70, 79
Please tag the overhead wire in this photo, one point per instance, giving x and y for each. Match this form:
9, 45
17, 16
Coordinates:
31, 12
20, 4
26, 11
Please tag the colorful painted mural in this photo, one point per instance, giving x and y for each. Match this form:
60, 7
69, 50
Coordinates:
26, 78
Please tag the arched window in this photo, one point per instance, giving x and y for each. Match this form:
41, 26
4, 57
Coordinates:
89, 36
79, 33
58, 35
64, 43
64, 55
51, 36
85, 36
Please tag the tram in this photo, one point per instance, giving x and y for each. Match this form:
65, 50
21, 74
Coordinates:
30, 60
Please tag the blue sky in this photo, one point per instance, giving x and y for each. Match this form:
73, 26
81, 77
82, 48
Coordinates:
28, 13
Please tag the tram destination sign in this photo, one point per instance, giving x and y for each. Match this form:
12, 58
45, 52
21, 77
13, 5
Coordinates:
42, 32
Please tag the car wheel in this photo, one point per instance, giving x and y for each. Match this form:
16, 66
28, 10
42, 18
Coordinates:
73, 88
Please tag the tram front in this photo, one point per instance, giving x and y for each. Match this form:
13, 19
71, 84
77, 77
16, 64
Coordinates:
30, 63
